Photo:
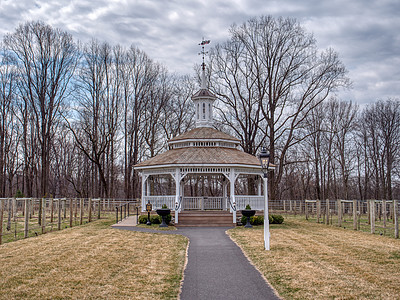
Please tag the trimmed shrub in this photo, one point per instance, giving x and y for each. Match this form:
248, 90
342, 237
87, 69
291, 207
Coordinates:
153, 219
248, 206
259, 220
276, 219
142, 219
254, 220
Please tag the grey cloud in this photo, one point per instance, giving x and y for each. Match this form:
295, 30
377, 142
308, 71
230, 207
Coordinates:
365, 33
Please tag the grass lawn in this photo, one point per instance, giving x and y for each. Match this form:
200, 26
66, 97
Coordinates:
93, 261
315, 261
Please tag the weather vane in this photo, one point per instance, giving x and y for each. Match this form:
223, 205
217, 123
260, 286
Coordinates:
203, 52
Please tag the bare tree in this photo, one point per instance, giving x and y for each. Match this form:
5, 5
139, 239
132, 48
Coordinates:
46, 59
97, 111
281, 68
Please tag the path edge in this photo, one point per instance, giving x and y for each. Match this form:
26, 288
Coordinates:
184, 267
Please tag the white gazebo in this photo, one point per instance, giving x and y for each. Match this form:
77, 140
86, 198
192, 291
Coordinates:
202, 151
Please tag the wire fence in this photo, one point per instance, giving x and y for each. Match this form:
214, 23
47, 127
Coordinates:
375, 216
26, 217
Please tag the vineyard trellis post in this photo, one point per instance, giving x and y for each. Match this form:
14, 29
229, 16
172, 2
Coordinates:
372, 215
26, 214
339, 210
396, 218
81, 211
355, 214
90, 210
384, 215
70, 212
59, 214
1, 218
43, 215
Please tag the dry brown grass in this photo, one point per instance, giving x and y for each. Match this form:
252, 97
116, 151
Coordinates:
315, 261
93, 262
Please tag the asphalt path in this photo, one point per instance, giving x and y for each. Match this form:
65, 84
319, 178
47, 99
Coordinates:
216, 267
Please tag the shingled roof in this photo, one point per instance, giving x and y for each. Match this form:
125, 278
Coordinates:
204, 133
201, 156
203, 93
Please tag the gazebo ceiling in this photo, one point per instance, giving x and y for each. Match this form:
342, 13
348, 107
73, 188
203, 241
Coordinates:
195, 156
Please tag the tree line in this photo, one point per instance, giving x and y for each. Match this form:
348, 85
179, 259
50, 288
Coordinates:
77, 117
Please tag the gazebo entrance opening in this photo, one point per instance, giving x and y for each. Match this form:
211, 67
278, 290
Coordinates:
202, 191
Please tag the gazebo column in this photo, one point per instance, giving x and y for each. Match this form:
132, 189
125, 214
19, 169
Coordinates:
144, 181
177, 177
259, 186
232, 179
225, 193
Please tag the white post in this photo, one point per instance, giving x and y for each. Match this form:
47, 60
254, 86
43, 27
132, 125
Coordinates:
266, 219
225, 193
177, 178
232, 187
144, 178
259, 187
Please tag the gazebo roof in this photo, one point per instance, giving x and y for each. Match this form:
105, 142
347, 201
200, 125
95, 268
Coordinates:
203, 93
201, 156
204, 133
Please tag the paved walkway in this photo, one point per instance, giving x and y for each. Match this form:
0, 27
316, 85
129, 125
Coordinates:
216, 268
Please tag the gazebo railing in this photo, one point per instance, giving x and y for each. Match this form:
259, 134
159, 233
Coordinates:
203, 203
255, 202
158, 201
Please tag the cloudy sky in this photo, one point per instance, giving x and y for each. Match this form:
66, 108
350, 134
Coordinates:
365, 33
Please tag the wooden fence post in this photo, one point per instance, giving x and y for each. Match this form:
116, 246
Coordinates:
355, 214
59, 214
64, 206
90, 210
43, 215
327, 212
318, 210
81, 211
306, 208
396, 218
99, 210
14, 210
26, 212
384, 215
76, 209
9, 208
372, 215
52, 210
1, 219
70, 212
340, 212
369, 211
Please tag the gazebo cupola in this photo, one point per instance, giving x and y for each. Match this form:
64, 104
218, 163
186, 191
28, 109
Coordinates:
204, 101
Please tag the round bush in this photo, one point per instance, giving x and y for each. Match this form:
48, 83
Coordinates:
153, 219
259, 220
142, 219
254, 220
276, 219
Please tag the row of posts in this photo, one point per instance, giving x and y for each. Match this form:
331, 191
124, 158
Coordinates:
61, 213
357, 209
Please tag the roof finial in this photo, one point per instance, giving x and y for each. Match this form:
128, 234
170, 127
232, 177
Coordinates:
203, 65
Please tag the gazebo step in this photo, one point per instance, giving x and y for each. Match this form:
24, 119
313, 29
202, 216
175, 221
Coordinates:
205, 225
205, 218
